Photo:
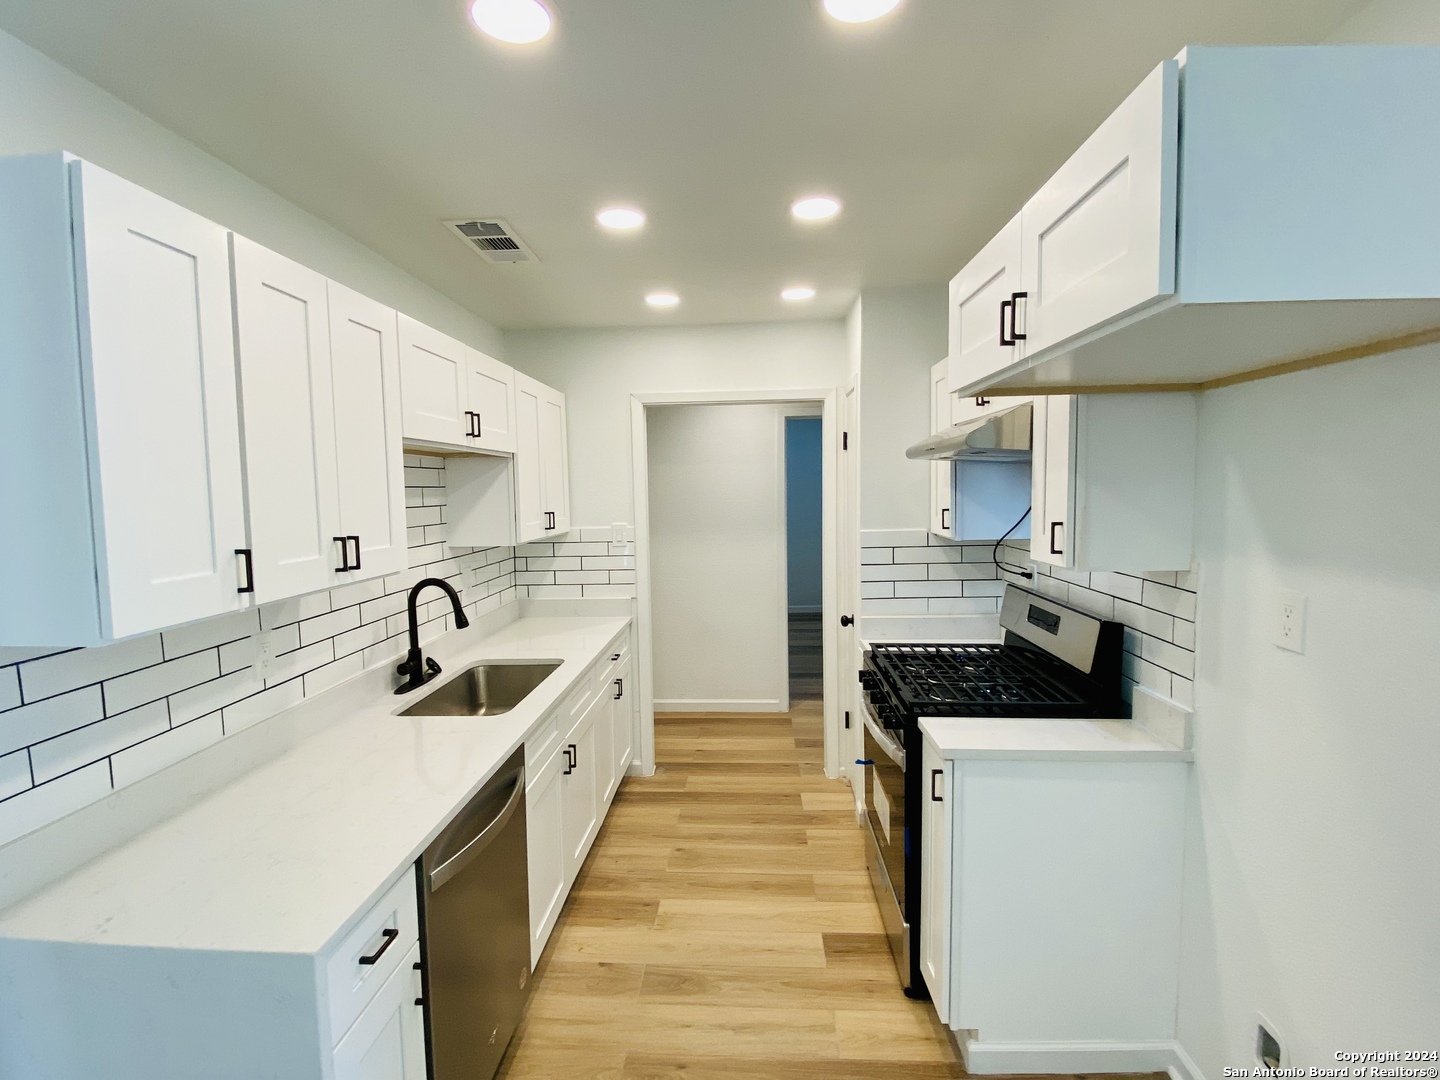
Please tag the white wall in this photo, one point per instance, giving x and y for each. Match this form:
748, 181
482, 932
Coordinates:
902, 334
44, 107
1414, 22
598, 370
717, 557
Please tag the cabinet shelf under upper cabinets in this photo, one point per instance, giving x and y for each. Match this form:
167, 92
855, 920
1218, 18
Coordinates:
1247, 210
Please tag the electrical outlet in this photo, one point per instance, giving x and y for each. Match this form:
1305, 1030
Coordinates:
1269, 1047
264, 654
1290, 622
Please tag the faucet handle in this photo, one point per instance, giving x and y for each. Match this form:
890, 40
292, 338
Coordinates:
431, 667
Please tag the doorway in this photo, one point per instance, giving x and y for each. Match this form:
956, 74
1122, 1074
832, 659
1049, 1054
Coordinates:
650, 419
804, 579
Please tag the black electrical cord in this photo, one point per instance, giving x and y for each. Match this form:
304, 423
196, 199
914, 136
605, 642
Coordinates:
995, 554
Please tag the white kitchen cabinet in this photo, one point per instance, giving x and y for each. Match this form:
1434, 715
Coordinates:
606, 778
119, 433
555, 459
282, 328
1050, 907
983, 317
579, 799
388, 1040
1098, 239
490, 394
434, 385
542, 464
369, 459
935, 908
940, 404
1113, 481
624, 706
545, 843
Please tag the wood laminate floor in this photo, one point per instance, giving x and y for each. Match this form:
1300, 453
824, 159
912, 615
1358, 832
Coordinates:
723, 928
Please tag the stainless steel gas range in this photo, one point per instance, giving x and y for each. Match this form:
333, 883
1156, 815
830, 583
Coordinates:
1053, 662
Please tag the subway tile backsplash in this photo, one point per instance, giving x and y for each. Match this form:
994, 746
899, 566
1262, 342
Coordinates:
585, 563
914, 572
77, 724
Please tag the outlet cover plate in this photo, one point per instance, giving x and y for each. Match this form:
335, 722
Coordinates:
1290, 611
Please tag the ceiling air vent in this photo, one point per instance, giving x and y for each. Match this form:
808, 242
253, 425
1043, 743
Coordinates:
492, 239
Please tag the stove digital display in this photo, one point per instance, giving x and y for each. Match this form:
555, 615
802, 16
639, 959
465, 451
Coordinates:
1045, 620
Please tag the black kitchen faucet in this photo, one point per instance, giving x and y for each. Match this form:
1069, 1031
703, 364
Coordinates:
416, 667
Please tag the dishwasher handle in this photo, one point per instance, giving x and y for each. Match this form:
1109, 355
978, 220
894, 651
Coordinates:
462, 858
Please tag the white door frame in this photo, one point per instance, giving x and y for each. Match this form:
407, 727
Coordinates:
829, 562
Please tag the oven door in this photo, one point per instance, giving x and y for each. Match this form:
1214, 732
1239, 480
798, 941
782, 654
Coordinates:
885, 837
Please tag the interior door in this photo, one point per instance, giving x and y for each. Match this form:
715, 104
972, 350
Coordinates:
434, 380
940, 508
848, 586
1052, 497
1099, 237
158, 340
283, 330
387, 1042
530, 518
982, 309
491, 396
555, 459
365, 363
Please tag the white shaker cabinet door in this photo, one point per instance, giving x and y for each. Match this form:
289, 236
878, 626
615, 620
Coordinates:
434, 370
940, 470
530, 518
555, 458
490, 394
1099, 237
936, 866
1052, 517
545, 843
157, 344
365, 361
623, 706
985, 334
581, 808
387, 1042
283, 331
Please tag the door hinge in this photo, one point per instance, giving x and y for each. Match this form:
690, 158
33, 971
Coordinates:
844, 440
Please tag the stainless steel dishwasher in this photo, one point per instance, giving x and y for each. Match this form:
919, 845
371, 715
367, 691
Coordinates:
476, 915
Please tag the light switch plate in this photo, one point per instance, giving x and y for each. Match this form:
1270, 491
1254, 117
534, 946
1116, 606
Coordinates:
1290, 621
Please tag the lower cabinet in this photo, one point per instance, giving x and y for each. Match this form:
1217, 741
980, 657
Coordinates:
623, 708
544, 823
1050, 903
388, 1040
580, 799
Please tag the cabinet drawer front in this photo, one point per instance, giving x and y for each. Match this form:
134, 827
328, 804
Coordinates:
383, 936
540, 747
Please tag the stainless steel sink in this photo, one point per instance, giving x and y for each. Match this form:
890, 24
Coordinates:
485, 689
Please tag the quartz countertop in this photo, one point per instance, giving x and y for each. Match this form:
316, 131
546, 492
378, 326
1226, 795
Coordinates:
1047, 740
285, 857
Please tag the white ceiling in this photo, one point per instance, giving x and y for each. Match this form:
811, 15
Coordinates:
385, 117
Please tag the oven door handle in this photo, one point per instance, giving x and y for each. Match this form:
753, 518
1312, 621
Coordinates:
882, 738
864, 761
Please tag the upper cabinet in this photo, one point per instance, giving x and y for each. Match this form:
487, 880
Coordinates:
542, 462
455, 396
119, 431
1235, 217
940, 401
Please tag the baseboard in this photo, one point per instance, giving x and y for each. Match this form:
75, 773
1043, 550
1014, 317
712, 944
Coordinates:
984, 1058
746, 705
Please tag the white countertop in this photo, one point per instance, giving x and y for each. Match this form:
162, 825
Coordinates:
281, 859
1047, 740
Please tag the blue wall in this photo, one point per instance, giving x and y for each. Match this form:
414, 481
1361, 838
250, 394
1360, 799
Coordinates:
802, 511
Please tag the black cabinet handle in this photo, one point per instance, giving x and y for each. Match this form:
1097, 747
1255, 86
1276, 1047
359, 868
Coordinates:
472, 424
616, 656
479, 428
1005, 339
1015, 299
549, 520
847, 620
981, 401
944, 518
1055, 550
356, 541
245, 556
935, 774
344, 542
619, 689
389, 935
572, 758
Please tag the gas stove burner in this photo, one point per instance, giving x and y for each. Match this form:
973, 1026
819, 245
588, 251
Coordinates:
976, 680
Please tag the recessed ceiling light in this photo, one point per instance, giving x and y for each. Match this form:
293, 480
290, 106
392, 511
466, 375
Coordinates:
520, 22
859, 11
815, 208
621, 217
796, 293
662, 299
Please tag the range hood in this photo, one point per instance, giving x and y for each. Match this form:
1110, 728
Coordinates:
1002, 436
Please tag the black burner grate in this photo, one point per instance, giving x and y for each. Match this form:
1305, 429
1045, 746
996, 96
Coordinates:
973, 680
